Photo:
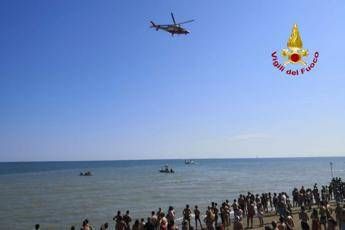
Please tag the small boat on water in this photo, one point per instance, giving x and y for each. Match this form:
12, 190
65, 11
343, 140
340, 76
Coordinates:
189, 162
166, 169
87, 173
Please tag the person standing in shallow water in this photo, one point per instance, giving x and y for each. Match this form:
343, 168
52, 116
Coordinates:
197, 217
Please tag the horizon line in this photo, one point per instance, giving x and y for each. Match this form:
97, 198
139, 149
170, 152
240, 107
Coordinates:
160, 159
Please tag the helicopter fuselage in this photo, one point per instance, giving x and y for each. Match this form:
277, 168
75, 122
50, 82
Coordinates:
173, 29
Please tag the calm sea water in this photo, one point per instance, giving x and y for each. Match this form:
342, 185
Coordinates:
54, 195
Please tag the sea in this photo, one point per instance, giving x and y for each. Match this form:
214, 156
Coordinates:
53, 194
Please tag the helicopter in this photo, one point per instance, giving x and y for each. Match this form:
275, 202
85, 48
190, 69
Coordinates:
172, 28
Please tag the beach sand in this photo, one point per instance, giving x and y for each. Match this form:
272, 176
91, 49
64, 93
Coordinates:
269, 217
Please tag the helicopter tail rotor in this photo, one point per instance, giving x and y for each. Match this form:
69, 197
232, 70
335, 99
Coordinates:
154, 25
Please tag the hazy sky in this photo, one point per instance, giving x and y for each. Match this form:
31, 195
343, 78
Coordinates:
85, 80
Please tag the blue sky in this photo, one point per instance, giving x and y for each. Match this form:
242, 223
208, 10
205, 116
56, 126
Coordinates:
89, 80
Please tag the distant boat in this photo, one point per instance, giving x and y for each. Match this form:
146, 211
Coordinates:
88, 173
166, 169
189, 162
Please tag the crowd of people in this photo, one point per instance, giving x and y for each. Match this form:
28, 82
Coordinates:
311, 204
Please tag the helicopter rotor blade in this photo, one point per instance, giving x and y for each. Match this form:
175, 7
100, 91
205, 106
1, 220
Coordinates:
185, 22
172, 16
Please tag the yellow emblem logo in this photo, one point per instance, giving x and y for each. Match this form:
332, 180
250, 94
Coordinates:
294, 54
295, 51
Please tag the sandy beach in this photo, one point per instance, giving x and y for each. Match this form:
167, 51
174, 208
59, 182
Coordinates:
273, 217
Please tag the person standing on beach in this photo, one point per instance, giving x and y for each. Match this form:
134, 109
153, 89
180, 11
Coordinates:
187, 212
163, 223
275, 201
343, 219
260, 215
303, 216
86, 225
224, 214
197, 217
338, 212
209, 218
127, 219
154, 219
281, 225
142, 224
290, 225
149, 225
238, 224
274, 225
315, 224
242, 202
323, 215
117, 220
331, 224
270, 200
215, 211
171, 214
239, 213
136, 225
250, 214
104, 226
228, 210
